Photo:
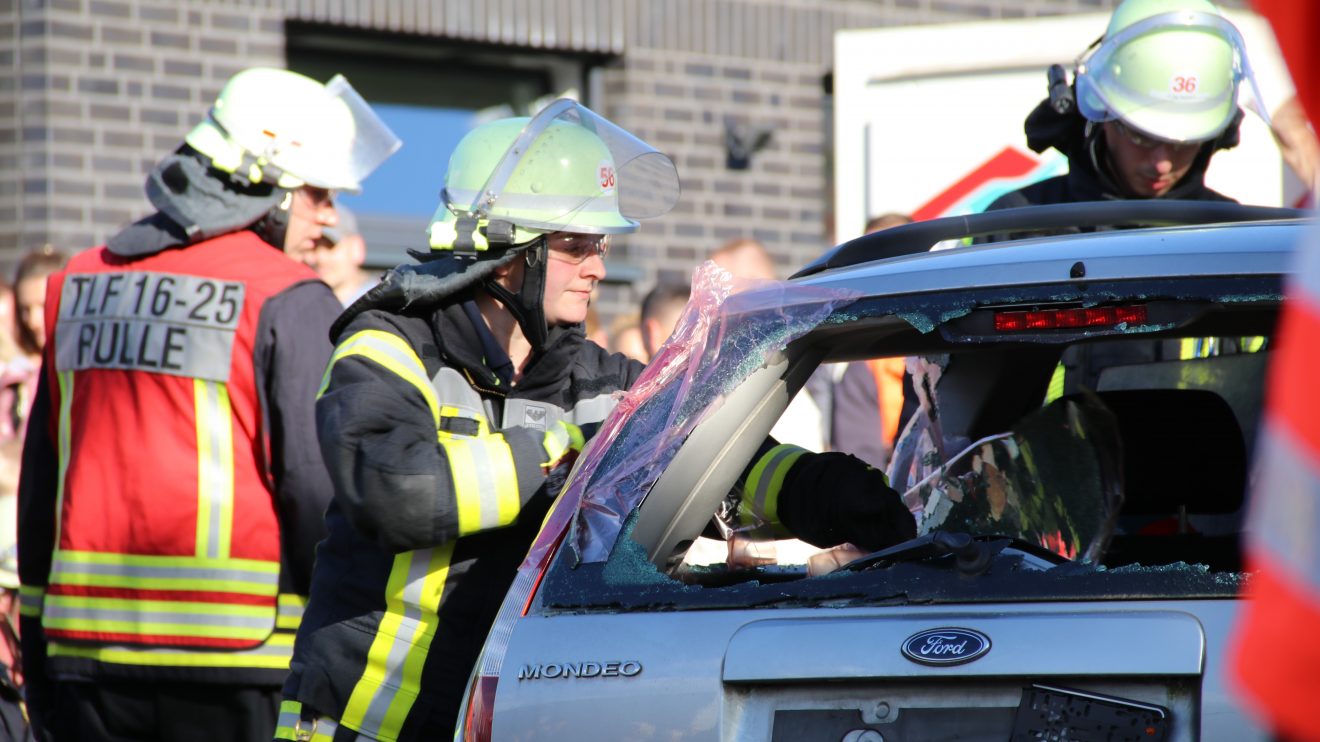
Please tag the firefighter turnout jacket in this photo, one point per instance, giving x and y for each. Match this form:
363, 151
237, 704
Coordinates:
440, 473
172, 490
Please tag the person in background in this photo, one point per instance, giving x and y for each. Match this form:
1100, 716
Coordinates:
338, 256
626, 337
30, 296
805, 422
869, 396
661, 309
172, 491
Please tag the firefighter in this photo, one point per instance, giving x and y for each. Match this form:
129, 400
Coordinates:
457, 390
172, 491
1150, 104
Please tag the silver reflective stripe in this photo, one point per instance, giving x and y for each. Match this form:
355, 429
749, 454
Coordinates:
563, 204
1283, 523
409, 628
163, 323
592, 409
453, 390
204, 614
484, 468
71, 567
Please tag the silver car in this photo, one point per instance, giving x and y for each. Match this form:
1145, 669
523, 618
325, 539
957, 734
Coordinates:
1076, 467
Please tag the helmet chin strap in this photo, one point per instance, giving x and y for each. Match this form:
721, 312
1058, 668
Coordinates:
274, 226
528, 305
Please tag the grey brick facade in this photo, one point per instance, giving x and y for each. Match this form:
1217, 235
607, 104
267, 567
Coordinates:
92, 92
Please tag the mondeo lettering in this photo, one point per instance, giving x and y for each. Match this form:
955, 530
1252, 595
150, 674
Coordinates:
557, 670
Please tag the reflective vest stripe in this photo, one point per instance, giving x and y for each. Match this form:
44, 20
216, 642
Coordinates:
155, 617
290, 611
393, 353
559, 439
761, 493
215, 469
31, 598
384, 695
485, 482
65, 381
291, 726
91, 569
273, 654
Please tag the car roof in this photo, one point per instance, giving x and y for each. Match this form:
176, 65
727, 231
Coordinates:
1254, 248
1220, 239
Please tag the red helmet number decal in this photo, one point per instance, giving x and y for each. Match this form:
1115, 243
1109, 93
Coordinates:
1183, 85
606, 176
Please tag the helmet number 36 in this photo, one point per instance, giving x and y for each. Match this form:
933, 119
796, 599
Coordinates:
1183, 85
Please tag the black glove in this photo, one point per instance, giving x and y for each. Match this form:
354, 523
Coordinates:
835, 498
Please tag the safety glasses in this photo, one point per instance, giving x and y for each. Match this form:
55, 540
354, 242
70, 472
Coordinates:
577, 248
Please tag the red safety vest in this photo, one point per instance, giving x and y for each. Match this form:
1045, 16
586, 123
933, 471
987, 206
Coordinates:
1274, 658
166, 530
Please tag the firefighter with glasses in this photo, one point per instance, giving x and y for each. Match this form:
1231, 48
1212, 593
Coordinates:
458, 389
172, 489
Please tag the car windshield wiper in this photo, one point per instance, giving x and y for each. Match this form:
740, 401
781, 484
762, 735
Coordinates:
972, 555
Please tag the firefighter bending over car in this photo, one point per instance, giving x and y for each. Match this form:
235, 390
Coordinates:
172, 490
457, 387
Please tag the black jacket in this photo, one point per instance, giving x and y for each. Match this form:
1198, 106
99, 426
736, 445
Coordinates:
1089, 177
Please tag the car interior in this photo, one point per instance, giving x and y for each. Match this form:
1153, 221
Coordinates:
1187, 420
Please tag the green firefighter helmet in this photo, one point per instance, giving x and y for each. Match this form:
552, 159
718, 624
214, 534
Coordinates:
565, 169
276, 126
1166, 68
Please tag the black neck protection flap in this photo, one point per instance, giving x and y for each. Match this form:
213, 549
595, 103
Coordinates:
202, 201
528, 305
273, 226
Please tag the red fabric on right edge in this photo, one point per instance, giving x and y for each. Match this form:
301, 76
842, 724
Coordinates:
1274, 664
1270, 652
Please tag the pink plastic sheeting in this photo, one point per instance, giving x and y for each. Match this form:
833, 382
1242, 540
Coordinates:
727, 330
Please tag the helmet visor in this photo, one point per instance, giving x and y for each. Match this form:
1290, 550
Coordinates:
366, 142
572, 170
1173, 76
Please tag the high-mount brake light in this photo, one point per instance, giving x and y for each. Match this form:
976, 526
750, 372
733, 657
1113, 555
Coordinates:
1065, 319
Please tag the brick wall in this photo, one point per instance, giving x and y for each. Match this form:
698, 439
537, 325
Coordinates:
105, 87
92, 92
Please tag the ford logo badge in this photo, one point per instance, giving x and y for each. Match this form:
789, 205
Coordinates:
948, 646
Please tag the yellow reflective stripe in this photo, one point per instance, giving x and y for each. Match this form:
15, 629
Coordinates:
244, 576
65, 381
156, 617
561, 438
215, 469
290, 725
392, 352
290, 611
274, 654
1055, 389
391, 680
485, 482
30, 599
1252, 343
761, 493
290, 715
